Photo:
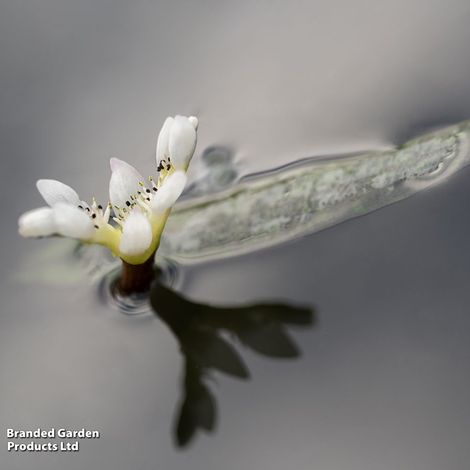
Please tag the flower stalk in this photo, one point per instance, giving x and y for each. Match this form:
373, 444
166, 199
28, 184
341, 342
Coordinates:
136, 278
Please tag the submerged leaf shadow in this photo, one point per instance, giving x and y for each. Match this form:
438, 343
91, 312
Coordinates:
204, 333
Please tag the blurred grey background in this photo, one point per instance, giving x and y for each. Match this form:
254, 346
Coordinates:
274, 80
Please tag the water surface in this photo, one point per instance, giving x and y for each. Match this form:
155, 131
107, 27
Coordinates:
383, 379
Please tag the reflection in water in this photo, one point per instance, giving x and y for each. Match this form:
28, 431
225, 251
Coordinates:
206, 333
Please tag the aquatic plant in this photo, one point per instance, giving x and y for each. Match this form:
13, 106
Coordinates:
131, 224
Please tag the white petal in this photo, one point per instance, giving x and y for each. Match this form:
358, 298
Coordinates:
124, 182
37, 223
72, 222
136, 234
54, 191
194, 121
169, 192
182, 142
162, 151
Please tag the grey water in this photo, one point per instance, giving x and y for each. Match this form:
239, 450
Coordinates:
378, 377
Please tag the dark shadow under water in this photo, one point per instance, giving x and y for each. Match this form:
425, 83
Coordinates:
207, 336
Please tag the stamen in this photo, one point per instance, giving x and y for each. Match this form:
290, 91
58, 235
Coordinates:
106, 213
93, 216
143, 204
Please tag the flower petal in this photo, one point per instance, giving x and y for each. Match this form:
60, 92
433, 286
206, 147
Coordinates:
136, 234
54, 191
37, 223
72, 222
169, 192
182, 142
162, 151
194, 121
124, 182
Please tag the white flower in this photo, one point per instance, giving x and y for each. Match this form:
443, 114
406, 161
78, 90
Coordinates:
140, 210
66, 215
176, 142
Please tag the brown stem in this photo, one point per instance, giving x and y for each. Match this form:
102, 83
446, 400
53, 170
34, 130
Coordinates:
136, 278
